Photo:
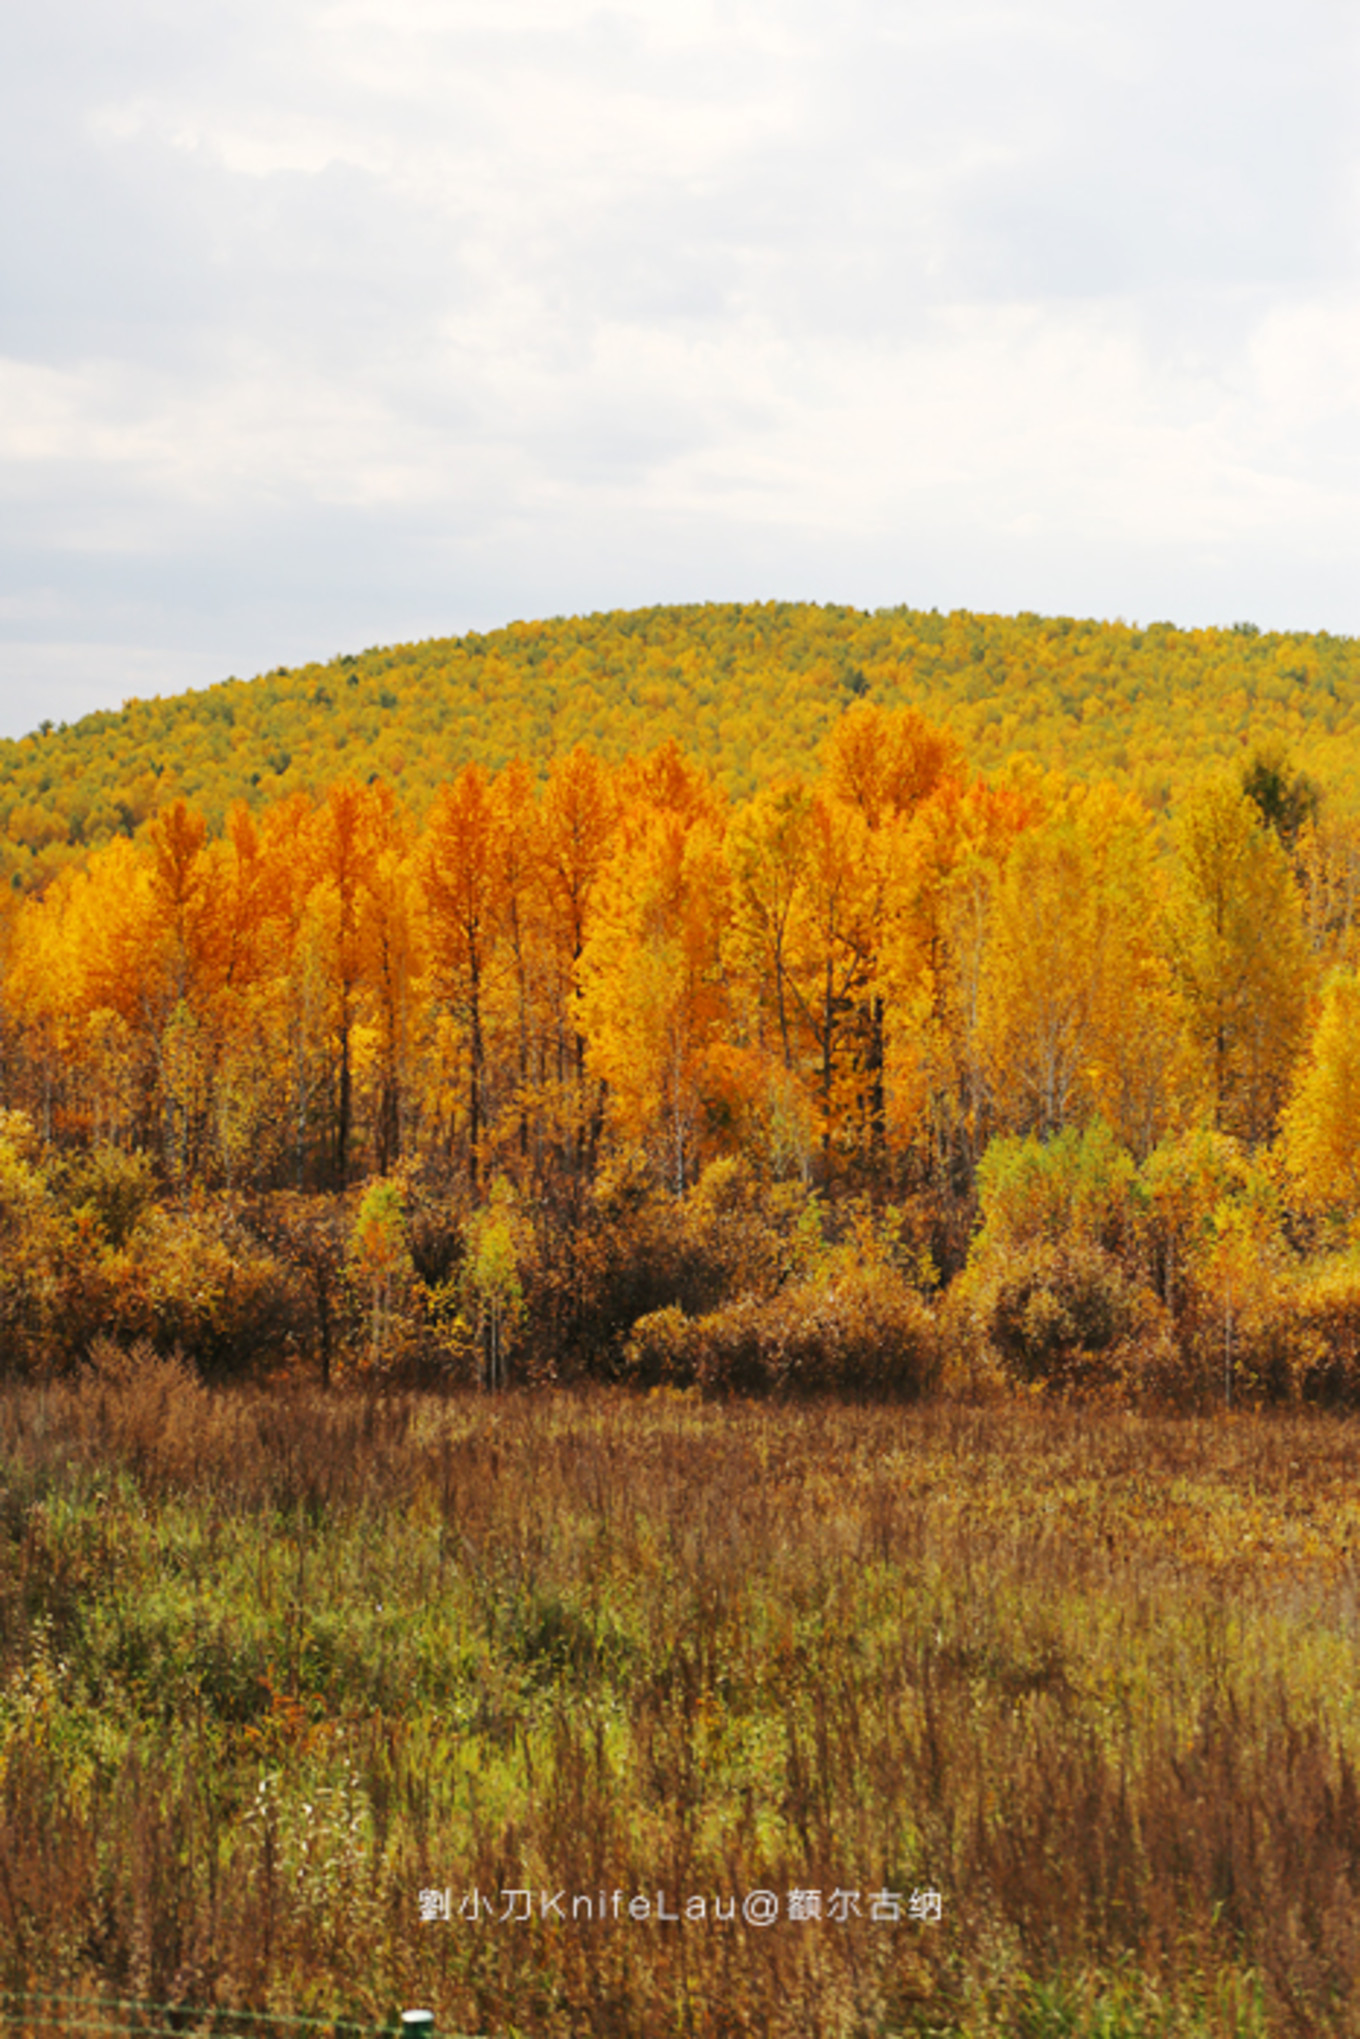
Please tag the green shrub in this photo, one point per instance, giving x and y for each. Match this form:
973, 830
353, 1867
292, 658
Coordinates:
33, 1236
1081, 1183
114, 1187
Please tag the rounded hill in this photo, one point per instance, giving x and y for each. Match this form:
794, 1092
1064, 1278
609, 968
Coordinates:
751, 689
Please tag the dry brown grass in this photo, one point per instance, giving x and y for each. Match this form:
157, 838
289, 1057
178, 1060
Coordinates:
270, 1664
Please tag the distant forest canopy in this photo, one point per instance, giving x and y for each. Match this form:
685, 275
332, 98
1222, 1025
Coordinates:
750, 690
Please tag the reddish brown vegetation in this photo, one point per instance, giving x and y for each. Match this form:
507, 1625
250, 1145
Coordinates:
270, 1666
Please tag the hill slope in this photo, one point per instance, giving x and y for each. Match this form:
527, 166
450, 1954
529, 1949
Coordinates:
750, 688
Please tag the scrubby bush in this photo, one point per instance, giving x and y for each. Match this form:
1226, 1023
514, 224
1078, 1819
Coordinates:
867, 1333
194, 1282
1080, 1184
1324, 1334
111, 1186
1238, 1338
34, 1244
379, 1270
636, 1250
85, 1254
745, 1285
1196, 1189
1216, 1251
662, 1349
1054, 1290
151, 1409
1065, 1312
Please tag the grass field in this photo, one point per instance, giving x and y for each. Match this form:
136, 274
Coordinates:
274, 1665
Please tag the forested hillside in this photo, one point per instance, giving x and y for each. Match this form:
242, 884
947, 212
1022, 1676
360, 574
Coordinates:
604, 1066
751, 691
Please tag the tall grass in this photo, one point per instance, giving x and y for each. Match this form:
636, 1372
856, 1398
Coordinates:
271, 1665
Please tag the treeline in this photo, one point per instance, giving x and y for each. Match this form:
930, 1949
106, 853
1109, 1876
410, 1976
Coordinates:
752, 690
608, 1071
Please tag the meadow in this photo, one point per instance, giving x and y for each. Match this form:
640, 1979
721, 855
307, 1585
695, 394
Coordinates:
280, 1669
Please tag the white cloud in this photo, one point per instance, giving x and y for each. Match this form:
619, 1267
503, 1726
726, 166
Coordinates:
324, 323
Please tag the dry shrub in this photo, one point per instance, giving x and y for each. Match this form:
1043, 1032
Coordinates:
150, 1410
1237, 1326
1067, 1313
1241, 1350
663, 1348
865, 1334
32, 1242
193, 1282
85, 1252
1324, 1332
638, 1250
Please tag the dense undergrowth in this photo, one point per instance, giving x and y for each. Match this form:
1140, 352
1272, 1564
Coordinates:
1184, 1284
272, 1664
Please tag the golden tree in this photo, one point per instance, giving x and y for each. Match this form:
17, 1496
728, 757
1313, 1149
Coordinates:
1321, 1124
1241, 962
460, 872
944, 867
1076, 1012
652, 1002
578, 824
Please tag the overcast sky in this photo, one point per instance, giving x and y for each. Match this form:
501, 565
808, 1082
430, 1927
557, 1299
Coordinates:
327, 323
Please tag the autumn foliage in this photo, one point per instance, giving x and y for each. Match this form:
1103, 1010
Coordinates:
1092, 1079
752, 689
